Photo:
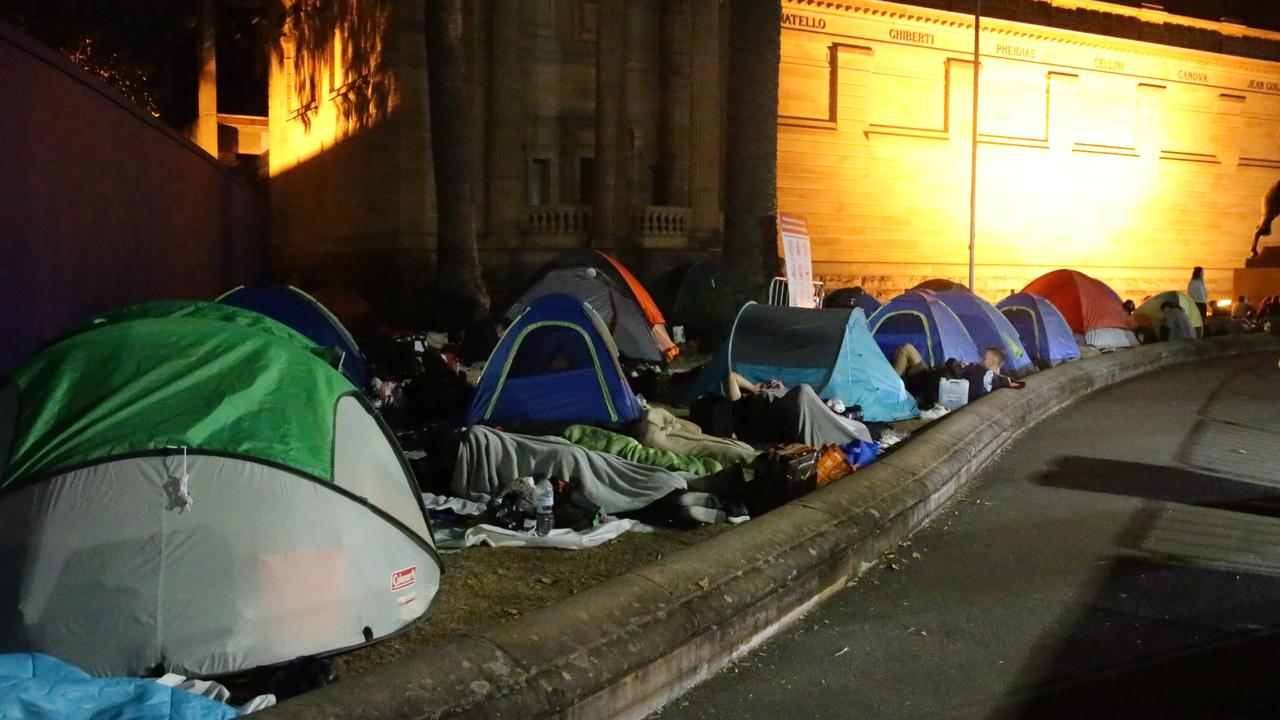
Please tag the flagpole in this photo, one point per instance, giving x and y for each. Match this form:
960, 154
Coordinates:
973, 164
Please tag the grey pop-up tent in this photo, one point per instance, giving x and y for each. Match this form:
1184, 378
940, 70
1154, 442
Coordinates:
628, 311
194, 493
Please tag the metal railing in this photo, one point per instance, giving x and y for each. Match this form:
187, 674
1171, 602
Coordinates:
779, 293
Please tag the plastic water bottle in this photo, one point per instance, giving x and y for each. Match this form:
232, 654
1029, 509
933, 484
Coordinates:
544, 499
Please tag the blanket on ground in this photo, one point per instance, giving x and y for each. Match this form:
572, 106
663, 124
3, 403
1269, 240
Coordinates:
39, 686
489, 459
796, 415
628, 448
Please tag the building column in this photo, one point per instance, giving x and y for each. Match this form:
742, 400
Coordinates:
206, 127
705, 117
673, 135
506, 121
609, 216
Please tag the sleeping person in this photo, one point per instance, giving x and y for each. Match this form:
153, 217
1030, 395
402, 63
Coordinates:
769, 413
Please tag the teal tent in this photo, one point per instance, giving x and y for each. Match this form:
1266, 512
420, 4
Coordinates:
830, 350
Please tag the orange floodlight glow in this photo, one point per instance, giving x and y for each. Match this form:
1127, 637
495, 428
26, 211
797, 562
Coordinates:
1132, 162
301, 127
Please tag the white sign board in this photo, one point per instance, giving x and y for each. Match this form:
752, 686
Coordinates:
793, 234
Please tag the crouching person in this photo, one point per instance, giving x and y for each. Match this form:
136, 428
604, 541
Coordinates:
922, 381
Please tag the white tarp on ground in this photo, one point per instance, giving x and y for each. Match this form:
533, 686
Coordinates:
458, 505
564, 538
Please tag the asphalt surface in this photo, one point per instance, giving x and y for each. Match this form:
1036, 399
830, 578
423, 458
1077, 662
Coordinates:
1121, 559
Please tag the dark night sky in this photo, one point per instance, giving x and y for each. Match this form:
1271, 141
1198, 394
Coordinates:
1254, 13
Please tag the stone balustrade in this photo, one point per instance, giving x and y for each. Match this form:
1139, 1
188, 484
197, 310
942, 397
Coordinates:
559, 220
661, 220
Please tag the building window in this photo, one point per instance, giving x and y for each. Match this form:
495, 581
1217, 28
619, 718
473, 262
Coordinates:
586, 19
659, 186
587, 180
540, 181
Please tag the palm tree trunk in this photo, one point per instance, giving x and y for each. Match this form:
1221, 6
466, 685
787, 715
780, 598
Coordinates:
751, 146
460, 291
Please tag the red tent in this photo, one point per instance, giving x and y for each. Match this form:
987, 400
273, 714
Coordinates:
1087, 303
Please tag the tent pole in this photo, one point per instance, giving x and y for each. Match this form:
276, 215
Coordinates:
973, 164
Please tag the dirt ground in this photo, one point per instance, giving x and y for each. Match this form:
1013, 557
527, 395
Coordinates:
485, 586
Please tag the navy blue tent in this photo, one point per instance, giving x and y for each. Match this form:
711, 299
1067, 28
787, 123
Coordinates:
940, 285
920, 318
303, 313
692, 296
1044, 332
557, 362
850, 298
988, 328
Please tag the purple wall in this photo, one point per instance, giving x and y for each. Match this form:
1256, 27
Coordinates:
102, 205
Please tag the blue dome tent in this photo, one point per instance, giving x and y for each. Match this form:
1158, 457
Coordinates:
557, 362
303, 313
830, 350
920, 318
989, 328
1044, 332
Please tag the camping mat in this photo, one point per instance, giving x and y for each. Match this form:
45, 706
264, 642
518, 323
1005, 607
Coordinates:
489, 459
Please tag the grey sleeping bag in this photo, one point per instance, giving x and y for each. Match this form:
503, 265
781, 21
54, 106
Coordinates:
797, 415
488, 460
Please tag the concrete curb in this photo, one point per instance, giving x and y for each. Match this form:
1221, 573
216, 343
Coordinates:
628, 646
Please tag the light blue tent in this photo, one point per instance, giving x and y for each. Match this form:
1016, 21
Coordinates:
1044, 332
988, 328
832, 351
920, 318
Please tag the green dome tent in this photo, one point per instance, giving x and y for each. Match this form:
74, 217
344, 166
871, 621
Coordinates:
185, 489
1150, 317
199, 310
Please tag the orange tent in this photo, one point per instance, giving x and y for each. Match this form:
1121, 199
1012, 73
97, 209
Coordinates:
1086, 303
629, 292
657, 323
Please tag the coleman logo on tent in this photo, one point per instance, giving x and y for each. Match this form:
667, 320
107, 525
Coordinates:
402, 579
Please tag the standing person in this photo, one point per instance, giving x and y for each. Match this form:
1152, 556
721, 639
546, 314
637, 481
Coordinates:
1198, 292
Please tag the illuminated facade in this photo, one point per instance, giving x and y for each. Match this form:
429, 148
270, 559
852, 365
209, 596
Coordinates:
635, 169
601, 122
1128, 160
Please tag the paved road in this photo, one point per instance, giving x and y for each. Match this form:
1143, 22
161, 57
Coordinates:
1122, 559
